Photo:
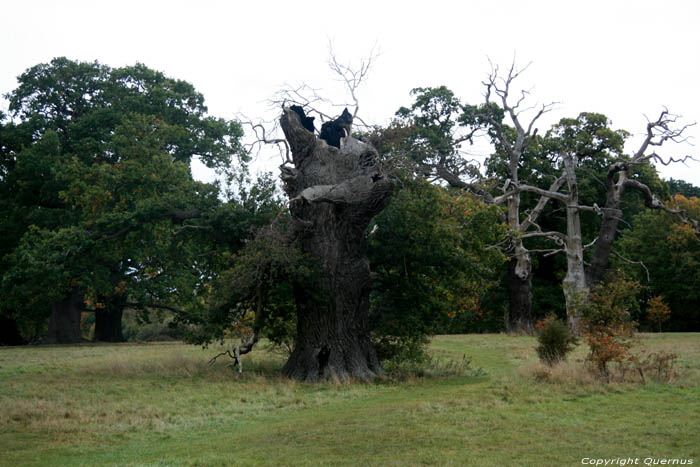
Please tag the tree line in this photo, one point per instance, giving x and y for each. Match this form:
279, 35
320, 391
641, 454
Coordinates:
100, 214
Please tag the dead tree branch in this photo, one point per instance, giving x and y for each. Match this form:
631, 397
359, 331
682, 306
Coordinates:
627, 260
241, 349
352, 75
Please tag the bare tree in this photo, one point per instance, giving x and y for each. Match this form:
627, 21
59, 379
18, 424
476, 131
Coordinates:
499, 92
579, 279
618, 180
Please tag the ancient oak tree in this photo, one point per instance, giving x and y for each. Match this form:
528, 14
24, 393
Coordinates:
333, 193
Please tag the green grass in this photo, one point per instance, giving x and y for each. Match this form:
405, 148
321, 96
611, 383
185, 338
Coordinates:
161, 404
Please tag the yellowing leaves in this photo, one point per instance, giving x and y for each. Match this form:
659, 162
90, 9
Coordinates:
681, 235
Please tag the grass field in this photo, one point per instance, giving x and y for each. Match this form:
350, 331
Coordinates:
161, 404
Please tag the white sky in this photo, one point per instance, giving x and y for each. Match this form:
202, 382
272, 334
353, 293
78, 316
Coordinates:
621, 58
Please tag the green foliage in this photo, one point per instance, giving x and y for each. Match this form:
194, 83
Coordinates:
96, 182
613, 302
431, 133
431, 261
681, 187
554, 341
671, 253
608, 326
253, 292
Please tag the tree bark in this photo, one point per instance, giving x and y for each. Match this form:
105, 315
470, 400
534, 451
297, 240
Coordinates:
608, 227
108, 323
519, 291
575, 289
64, 322
334, 193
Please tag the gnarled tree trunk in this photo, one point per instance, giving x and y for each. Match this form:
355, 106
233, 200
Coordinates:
334, 193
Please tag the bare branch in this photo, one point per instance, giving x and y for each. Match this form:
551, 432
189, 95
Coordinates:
352, 76
554, 235
671, 160
549, 252
627, 260
541, 203
548, 193
260, 132
241, 349
593, 242
305, 96
653, 202
661, 130
525, 134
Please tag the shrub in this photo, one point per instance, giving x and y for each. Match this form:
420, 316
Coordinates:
555, 341
608, 326
608, 344
138, 331
612, 302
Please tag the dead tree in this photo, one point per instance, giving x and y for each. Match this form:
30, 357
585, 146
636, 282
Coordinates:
571, 243
520, 264
334, 193
618, 180
579, 279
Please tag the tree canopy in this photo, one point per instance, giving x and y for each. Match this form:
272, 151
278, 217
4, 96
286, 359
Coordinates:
95, 181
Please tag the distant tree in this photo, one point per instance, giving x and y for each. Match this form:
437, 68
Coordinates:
657, 311
95, 183
681, 187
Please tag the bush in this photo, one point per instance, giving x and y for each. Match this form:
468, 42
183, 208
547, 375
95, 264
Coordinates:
154, 332
608, 326
555, 341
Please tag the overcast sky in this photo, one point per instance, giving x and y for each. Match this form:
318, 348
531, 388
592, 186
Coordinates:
626, 59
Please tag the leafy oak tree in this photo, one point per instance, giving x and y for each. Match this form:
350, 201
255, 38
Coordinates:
95, 183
